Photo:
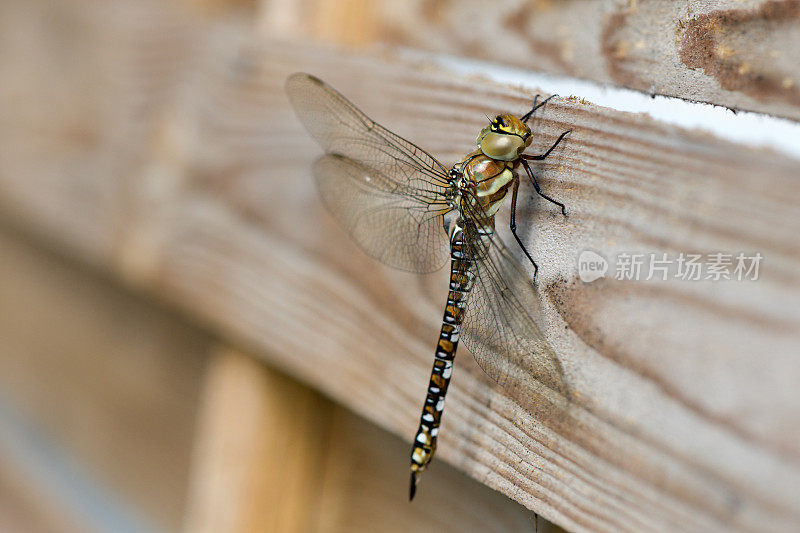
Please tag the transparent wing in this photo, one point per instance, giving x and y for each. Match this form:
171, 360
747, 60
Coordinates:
388, 193
499, 327
391, 223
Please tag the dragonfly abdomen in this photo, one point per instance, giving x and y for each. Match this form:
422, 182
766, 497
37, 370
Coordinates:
461, 278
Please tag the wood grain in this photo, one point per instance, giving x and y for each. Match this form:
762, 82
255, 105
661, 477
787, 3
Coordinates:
683, 407
741, 54
273, 455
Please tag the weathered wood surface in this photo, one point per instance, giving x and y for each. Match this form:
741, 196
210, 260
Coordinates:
195, 185
273, 455
743, 54
112, 384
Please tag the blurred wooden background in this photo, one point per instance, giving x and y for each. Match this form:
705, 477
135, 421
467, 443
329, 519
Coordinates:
161, 237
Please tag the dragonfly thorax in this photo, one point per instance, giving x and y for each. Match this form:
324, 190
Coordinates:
488, 180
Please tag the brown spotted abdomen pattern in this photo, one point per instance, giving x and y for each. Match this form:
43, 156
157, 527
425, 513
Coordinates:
461, 278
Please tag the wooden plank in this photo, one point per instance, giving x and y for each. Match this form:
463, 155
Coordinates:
682, 409
273, 455
643, 443
741, 54
259, 450
104, 384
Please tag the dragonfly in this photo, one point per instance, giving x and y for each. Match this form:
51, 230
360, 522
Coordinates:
406, 209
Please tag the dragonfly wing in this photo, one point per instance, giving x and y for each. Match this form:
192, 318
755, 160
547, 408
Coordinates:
499, 327
386, 191
365, 201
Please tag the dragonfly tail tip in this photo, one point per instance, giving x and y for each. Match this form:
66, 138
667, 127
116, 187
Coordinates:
412, 489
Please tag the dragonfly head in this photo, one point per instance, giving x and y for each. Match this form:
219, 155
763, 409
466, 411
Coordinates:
505, 138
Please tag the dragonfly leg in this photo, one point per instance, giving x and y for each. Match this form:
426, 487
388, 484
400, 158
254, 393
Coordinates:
529, 114
544, 155
539, 190
513, 227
